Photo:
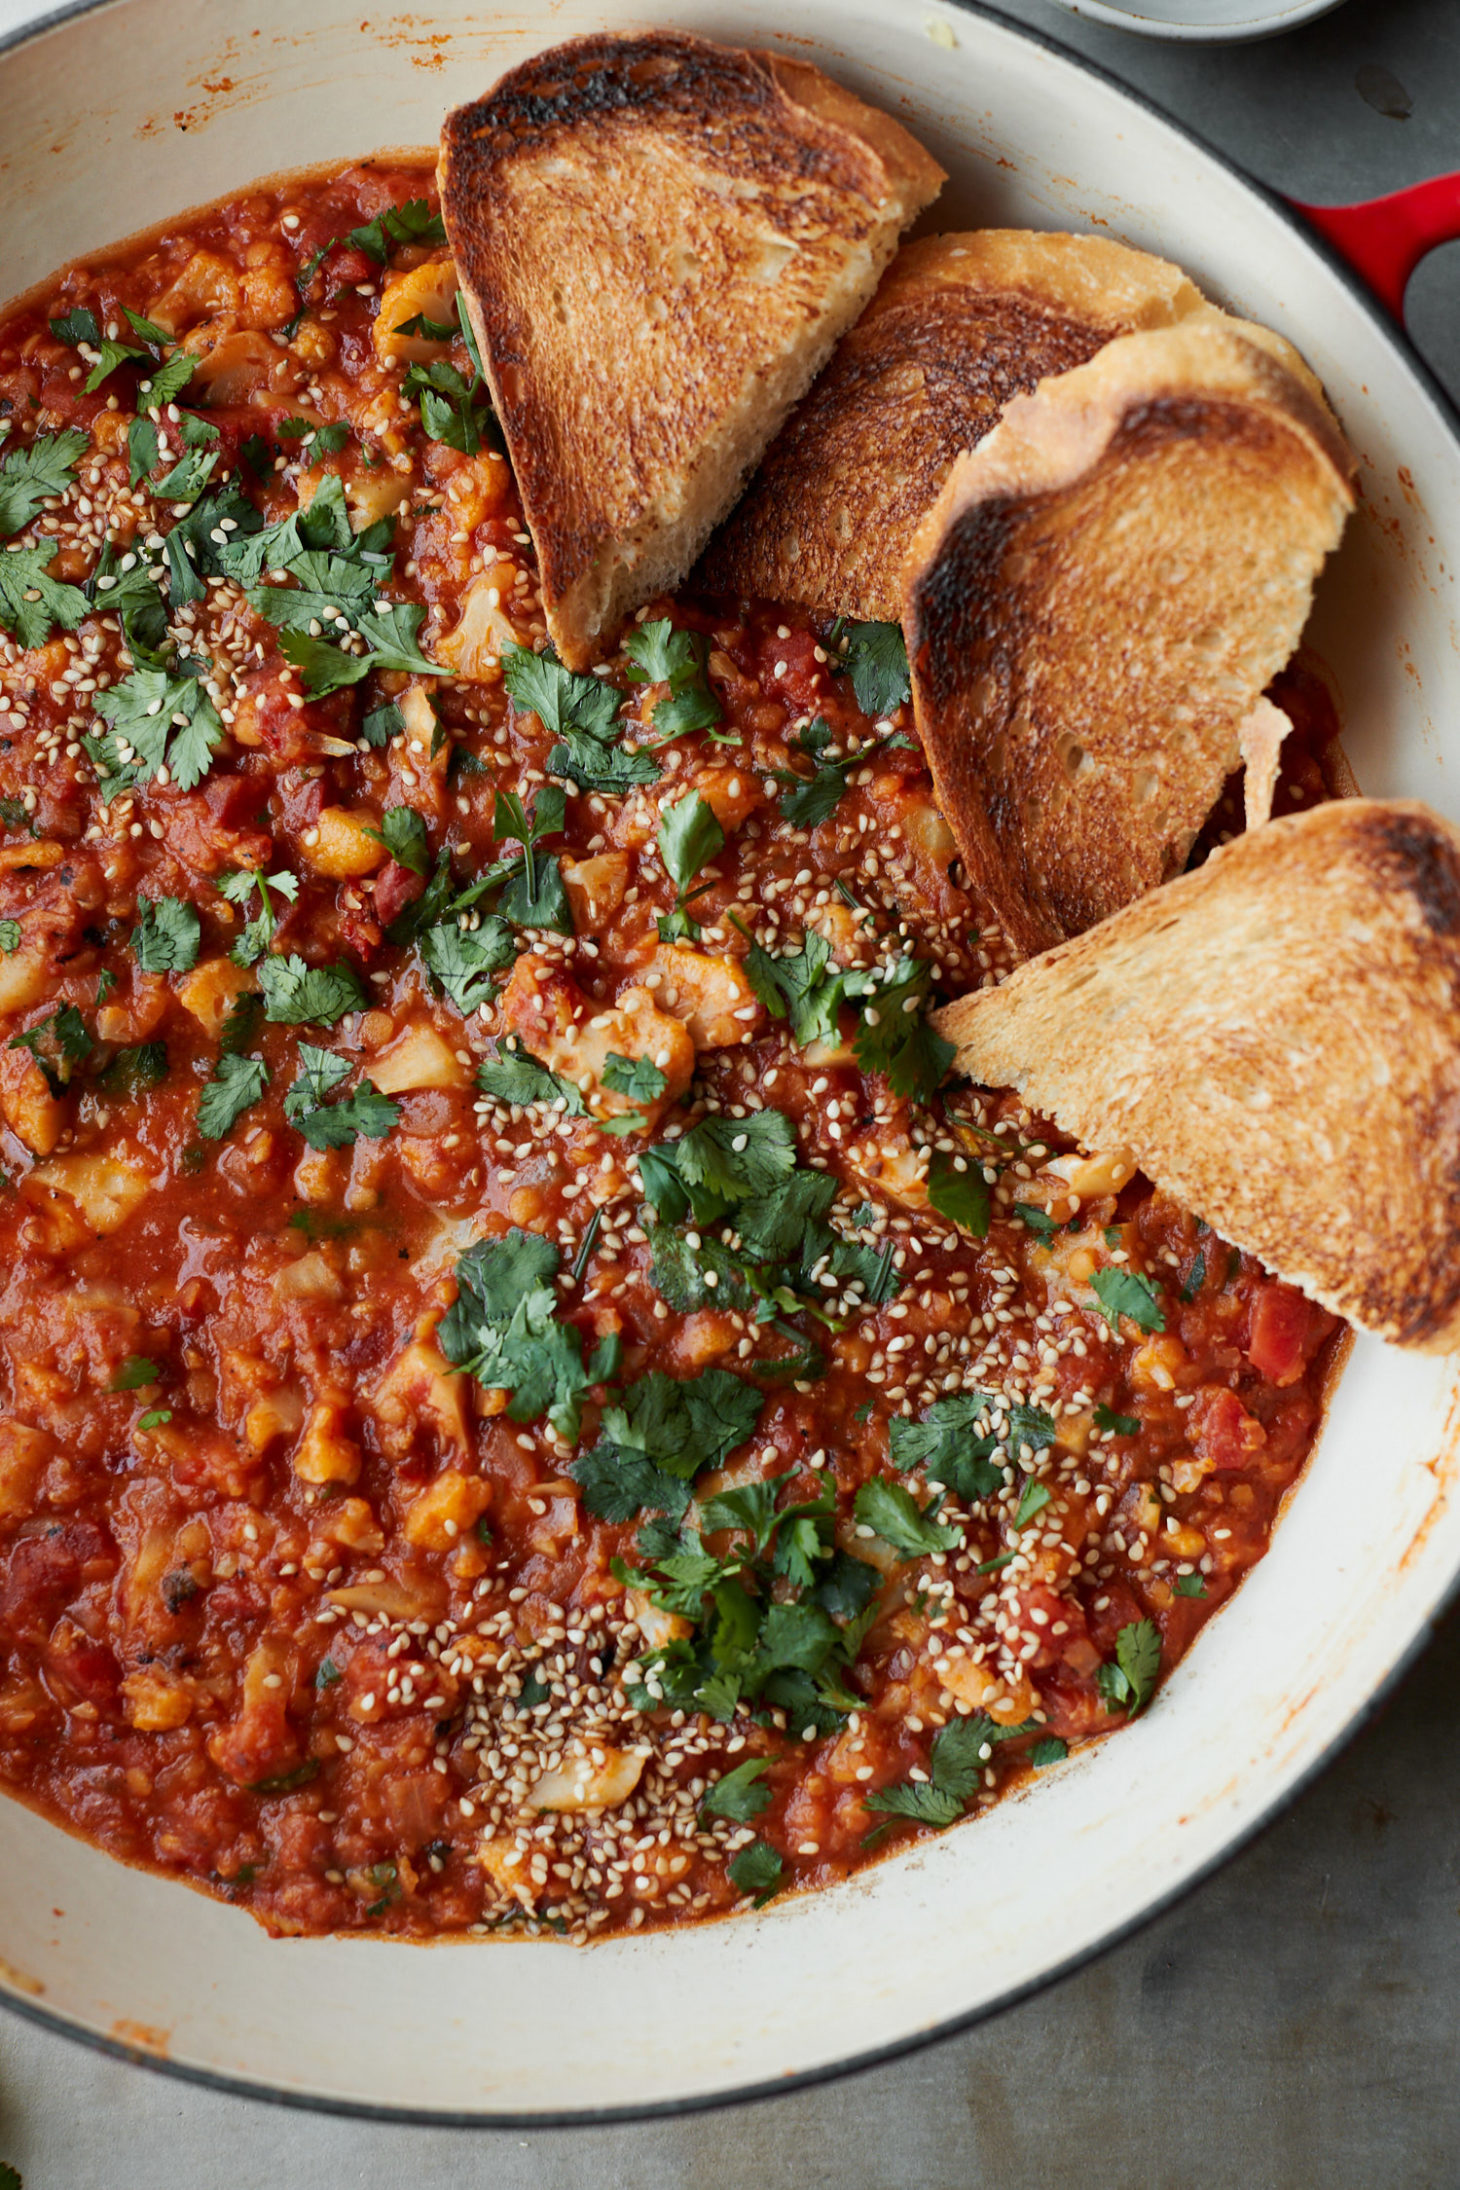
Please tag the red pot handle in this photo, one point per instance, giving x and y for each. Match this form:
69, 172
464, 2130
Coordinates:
1384, 239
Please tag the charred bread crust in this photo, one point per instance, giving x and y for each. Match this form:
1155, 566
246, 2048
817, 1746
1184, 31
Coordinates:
1276, 1037
960, 324
1096, 602
660, 240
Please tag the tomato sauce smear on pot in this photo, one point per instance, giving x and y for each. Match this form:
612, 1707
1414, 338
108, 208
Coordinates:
528, 1401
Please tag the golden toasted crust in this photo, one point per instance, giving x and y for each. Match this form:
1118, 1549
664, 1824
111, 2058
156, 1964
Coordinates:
659, 241
959, 324
1096, 602
1277, 1037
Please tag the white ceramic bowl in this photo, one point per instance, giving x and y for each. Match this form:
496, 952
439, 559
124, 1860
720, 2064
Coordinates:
1203, 22
117, 117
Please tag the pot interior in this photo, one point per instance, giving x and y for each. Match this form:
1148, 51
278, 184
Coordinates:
133, 111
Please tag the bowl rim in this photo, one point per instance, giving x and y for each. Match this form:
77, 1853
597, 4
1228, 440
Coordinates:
896, 2049
1267, 22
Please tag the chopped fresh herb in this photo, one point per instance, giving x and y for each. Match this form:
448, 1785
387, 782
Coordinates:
1035, 1498
403, 833
503, 1328
15, 814
895, 1515
320, 440
689, 837
337, 1124
512, 1076
30, 474
382, 724
166, 936
959, 1191
154, 1418
1126, 1293
428, 330
195, 465
58, 1043
258, 933
156, 337
454, 411
125, 586
1127, 1683
131, 1069
78, 326
1195, 1278
658, 654
157, 720
1124, 1425
535, 895
958, 1755
737, 1794
465, 960
802, 986
135, 1373
758, 1871
327, 1674
1052, 1750
637, 1077
807, 801
894, 1037
663, 1433
32, 605
874, 656
1039, 1221
299, 995
1189, 1585
413, 222
953, 1443
166, 384
238, 1083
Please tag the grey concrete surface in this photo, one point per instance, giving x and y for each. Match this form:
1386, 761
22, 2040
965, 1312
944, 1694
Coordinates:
1296, 2022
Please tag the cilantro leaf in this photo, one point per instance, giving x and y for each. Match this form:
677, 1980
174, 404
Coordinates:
78, 326
737, 1794
1124, 1425
238, 887
1034, 1498
512, 1076
1126, 1293
31, 473
959, 1191
801, 985
758, 1871
454, 411
382, 724
958, 1755
503, 1329
637, 1077
1195, 1278
131, 1069
112, 354
157, 720
1127, 1684
1036, 1220
1189, 1585
658, 654
237, 1083
1052, 1750
299, 995
727, 1160
413, 222
953, 1442
326, 668
125, 586
167, 382
32, 605
403, 833
895, 1039
464, 960
875, 658
195, 465
135, 1374
326, 1124
895, 1515
166, 936
559, 697
58, 1043
689, 837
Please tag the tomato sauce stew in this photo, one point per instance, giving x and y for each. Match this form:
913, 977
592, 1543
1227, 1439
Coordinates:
527, 1400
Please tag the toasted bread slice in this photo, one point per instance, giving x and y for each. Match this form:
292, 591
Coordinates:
660, 241
1097, 600
1276, 1036
959, 325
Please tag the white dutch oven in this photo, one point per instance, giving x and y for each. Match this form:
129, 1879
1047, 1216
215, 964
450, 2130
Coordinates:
118, 116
